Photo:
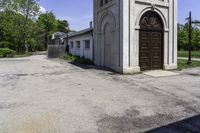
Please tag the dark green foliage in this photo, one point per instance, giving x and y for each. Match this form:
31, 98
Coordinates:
6, 52
5, 44
70, 58
46, 26
12, 36
78, 59
18, 22
183, 40
24, 31
83, 60
62, 26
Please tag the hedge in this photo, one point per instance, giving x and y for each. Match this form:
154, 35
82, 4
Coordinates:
6, 52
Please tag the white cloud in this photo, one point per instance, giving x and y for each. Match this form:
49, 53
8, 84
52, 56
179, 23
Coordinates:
42, 9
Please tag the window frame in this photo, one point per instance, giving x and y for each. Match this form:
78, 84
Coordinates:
78, 43
87, 44
72, 44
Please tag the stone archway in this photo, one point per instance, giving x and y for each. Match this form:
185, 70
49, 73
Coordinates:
107, 45
151, 42
108, 48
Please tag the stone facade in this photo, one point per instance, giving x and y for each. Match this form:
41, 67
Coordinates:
117, 37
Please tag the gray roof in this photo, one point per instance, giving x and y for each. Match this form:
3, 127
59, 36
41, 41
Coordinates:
58, 35
82, 32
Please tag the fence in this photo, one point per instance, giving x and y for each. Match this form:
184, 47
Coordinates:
55, 51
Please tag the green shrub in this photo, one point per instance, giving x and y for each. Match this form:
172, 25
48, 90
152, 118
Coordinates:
83, 60
78, 59
70, 58
31, 45
4, 44
6, 52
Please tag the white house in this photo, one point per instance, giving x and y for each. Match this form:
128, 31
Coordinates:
81, 43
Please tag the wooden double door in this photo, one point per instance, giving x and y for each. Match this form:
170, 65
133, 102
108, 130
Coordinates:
151, 50
151, 42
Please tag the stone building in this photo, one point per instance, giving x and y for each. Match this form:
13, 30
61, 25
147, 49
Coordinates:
135, 35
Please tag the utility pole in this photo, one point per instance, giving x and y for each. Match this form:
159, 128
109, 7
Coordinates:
190, 39
67, 39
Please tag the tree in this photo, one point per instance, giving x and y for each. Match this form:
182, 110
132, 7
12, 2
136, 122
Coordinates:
39, 36
196, 39
48, 23
27, 8
23, 28
1, 5
10, 27
183, 39
62, 26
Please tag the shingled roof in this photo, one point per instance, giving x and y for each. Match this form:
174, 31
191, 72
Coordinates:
73, 34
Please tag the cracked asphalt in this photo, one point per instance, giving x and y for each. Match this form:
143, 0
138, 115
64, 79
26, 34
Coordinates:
40, 95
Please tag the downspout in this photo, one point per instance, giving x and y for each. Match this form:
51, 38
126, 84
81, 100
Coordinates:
92, 34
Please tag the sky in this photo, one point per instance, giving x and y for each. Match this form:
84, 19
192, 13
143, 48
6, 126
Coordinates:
80, 12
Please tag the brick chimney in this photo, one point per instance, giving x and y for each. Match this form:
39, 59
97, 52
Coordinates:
91, 24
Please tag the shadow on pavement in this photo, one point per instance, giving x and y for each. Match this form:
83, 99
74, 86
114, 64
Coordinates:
190, 125
94, 67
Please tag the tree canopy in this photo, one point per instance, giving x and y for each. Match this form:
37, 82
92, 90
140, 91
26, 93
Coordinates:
24, 28
183, 40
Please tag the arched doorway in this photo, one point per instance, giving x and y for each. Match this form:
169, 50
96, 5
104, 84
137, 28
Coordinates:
106, 41
151, 42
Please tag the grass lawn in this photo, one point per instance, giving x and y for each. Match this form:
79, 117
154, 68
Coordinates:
195, 54
182, 64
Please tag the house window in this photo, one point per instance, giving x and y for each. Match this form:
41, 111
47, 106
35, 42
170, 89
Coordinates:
78, 44
72, 45
87, 44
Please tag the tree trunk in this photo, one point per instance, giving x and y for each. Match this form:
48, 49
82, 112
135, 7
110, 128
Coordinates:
26, 46
46, 40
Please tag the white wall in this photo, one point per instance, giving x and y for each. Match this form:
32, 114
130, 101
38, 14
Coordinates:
83, 52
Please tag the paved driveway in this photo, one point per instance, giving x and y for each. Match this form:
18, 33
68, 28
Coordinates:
38, 95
